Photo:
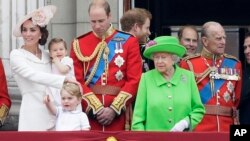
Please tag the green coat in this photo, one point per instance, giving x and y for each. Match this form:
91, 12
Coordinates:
161, 104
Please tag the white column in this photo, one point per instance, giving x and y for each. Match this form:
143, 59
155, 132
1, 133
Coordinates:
41, 3
5, 28
132, 3
20, 11
31, 5
120, 12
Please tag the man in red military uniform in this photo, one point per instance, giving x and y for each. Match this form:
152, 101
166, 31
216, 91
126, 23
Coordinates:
107, 63
5, 102
136, 21
218, 76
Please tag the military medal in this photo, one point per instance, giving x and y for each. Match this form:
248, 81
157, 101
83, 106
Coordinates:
116, 48
120, 48
230, 86
119, 61
119, 75
118, 44
226, 96
225, 73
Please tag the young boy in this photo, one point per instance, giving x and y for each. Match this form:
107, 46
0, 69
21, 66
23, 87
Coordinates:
68, 117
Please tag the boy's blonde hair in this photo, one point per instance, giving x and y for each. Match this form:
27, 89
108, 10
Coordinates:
57, 40
73, 89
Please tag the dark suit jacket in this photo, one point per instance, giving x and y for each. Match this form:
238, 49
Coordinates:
244, 106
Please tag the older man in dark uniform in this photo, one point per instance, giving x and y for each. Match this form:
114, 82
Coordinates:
218, 76
5, 102
108, 65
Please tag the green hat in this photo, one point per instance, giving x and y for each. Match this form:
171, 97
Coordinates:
167, 44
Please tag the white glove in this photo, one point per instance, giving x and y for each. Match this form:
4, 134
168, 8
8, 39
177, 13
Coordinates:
180, 126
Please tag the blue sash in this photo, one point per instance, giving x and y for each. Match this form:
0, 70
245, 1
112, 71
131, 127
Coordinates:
205, 92
111, 45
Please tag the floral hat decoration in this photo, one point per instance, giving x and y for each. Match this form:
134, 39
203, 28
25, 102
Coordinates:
167, 44
40, 17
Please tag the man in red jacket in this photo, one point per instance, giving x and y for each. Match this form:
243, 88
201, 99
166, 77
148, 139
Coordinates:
218, 76
136, 21
107, 63
5, 102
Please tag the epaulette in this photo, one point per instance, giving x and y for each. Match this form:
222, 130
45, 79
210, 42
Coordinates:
81, 36
231, 57
188, 57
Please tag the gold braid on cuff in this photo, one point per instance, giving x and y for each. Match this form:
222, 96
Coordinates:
4, 110
93, 102
120, 101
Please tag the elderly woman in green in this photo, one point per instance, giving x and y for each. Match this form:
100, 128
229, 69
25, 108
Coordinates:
168, 98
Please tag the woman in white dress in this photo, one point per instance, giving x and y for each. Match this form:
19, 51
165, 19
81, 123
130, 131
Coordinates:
31, 68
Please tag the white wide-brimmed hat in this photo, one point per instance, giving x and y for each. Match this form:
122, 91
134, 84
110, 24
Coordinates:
40, 17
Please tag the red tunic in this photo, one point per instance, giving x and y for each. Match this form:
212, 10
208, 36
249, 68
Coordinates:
228, 92
5, 102
128, 83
